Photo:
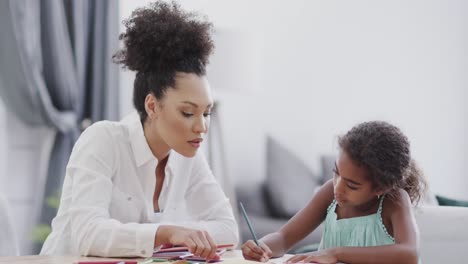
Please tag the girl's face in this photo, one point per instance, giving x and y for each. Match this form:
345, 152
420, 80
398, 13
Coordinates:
351, 183
180, 120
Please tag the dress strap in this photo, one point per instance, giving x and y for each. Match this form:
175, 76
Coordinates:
379, 215
331, 206
379, 211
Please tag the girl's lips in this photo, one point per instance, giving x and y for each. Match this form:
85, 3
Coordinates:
339, 199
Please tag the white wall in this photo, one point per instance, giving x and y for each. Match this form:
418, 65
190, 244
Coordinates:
327, 65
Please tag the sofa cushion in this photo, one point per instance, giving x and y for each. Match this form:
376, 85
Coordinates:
443, 233
252, 196
328, 164
290, 183
442, 200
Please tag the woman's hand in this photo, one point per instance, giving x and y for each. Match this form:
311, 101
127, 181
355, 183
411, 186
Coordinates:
323, 257
198, 242
251, 251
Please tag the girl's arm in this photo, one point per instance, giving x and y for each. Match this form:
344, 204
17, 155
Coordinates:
303, 223
405, 232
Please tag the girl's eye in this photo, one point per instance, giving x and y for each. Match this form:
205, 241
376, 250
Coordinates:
187, 114
207, 114
351, 187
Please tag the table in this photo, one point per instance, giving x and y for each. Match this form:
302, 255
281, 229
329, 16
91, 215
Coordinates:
230, 257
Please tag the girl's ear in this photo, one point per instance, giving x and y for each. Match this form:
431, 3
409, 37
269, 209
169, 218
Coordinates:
379, 192
151, 106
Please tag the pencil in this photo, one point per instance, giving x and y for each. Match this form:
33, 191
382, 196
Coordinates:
248, 223
107, 262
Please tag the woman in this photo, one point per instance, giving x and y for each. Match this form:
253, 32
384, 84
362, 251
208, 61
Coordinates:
134, 185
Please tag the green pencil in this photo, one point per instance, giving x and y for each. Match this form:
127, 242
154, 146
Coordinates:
248, 223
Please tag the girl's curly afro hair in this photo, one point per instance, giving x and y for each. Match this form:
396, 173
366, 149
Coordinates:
161, 40
384, 151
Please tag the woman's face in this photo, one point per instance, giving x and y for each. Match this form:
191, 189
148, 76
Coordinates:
181, 118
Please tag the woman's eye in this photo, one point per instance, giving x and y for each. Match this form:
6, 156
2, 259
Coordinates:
352, 188
207, 114
187, 114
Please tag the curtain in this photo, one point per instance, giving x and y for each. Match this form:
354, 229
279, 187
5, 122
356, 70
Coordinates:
56, 70
8, 243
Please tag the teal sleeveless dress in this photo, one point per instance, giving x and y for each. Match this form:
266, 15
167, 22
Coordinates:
362, 231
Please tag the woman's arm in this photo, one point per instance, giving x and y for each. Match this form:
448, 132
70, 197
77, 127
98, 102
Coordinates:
88, 193
209, 206
301, 224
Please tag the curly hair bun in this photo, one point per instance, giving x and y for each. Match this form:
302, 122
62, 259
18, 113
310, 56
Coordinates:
162, 37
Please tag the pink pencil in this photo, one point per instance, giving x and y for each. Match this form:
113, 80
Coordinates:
107, 262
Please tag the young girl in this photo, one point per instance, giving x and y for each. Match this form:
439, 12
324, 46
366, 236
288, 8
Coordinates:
367, 207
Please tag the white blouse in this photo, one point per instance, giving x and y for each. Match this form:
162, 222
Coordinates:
106, 208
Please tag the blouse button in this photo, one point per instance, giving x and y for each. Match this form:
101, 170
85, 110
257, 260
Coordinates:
143, 252
129, 198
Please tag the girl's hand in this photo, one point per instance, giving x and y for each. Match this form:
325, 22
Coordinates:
251, 251
323, 257
198, 242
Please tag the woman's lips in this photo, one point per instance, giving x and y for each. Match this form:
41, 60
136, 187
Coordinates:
195, 143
